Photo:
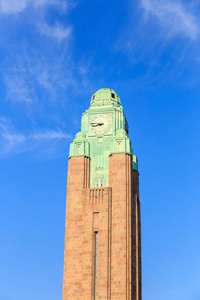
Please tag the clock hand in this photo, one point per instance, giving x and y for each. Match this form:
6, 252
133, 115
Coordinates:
95, 124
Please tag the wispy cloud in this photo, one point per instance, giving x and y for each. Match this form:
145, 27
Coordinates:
163, 38
16, 6
173, 16
13, 6
49, 135
13, 142
39, 70
37, 77
57, 31
17, 87
28, 71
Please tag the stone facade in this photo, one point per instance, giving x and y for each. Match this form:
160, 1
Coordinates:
113, 212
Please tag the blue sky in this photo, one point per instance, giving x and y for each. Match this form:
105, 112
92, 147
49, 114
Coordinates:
54, 55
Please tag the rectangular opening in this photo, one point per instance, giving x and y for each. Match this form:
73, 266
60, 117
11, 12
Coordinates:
95, 265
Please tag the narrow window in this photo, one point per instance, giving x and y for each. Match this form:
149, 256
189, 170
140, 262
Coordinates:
95, 265
113, 95
93, 97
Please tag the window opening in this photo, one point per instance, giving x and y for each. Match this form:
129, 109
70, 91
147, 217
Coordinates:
95, 265
113, 95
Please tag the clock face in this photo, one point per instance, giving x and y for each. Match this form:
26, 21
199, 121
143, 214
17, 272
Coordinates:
100, 124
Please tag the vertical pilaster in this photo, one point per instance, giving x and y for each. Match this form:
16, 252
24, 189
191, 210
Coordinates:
120, 180
126, 236
78, 178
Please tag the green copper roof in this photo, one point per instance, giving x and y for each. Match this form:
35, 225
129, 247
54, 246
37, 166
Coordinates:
105, 97
104, 132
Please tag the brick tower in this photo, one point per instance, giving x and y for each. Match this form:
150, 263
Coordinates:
102, 259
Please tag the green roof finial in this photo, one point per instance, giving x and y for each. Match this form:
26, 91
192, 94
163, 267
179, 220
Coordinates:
105, 97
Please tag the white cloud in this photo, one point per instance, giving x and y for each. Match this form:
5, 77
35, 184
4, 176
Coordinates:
17, 87
16, 6
173, 16
28, 71
48, 135
34, 78
13, 6
13, 142
58, 31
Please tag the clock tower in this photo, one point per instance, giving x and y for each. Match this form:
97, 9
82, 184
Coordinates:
102, 259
